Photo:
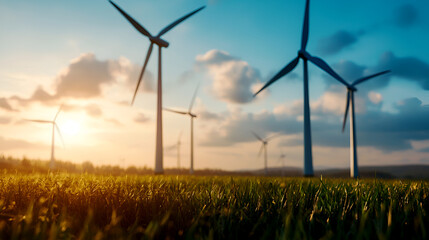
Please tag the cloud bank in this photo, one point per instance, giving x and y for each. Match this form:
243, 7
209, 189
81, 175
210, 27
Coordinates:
407, 68
381, 130
86, 76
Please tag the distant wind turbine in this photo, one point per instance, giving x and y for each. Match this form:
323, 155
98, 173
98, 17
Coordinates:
192, 116
264, 148
159, 169
54, 127
305, 56
179, 143
282, 161
354, 173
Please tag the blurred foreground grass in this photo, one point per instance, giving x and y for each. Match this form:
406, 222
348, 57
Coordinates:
68, 206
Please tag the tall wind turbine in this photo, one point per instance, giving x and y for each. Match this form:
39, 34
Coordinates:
161, 43
305, 56
354, 173
192, 116
54, 127
264, 148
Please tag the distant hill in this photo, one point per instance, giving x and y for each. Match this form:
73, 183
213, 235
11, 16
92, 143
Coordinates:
24, 165
389, 171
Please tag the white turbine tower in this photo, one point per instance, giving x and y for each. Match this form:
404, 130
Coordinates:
192, 116
54, 127
305, 56
354, 173
159, 169
264, 148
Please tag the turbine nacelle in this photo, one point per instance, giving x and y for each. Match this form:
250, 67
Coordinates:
192, 115
351, 88
158, 41
303, 54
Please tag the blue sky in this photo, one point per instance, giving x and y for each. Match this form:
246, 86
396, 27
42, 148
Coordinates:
231, 47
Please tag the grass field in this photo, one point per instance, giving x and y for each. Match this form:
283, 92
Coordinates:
67, 206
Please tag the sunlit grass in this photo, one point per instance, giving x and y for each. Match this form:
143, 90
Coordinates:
69, 206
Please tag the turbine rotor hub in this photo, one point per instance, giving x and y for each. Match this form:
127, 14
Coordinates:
302, 54
158, 41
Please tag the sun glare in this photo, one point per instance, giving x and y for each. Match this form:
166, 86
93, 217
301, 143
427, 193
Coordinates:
70, 127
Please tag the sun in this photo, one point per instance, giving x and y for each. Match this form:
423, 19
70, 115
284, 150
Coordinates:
70, 127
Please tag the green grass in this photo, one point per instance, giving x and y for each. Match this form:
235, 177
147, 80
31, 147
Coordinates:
69, 206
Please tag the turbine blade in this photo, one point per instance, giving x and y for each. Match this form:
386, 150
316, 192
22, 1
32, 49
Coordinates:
305, 27
325, 67
280, 74
59, 133
368, 77
272, 136
149, 52
258, 137
38, 121
137, 25
260, 150
59, 110
194, 96
172, 25
347, 109
175, 111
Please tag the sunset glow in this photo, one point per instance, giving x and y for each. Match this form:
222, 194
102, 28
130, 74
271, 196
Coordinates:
91, 66
70, 127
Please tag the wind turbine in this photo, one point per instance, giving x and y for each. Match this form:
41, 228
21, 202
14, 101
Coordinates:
179, 143
282, 161
54, 127
305, 56
354, 173
264, 148
192, 116
161, 43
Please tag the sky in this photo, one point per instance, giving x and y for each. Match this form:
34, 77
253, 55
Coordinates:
87, 57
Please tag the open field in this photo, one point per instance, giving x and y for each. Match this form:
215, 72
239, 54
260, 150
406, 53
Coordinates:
69, 206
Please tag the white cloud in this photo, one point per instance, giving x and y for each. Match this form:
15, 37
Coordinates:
128, 72
86, 77
233, 79
375, 97
4, 104
330, 102
141, 118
